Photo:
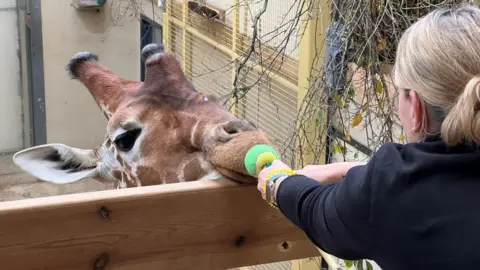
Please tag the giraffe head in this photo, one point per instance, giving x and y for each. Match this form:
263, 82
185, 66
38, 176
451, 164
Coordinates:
159, 131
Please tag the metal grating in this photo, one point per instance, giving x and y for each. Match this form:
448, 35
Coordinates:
272, 107
210, 68
210, 49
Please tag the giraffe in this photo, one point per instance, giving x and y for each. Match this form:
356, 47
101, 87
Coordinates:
159, 131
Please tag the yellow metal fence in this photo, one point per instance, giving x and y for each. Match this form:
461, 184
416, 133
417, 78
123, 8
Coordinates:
276, 74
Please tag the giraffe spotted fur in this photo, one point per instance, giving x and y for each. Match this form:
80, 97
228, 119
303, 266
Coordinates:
159, 131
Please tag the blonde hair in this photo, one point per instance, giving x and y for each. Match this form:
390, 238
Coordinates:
439, 58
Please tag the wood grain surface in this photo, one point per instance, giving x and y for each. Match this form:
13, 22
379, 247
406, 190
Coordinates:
195, 225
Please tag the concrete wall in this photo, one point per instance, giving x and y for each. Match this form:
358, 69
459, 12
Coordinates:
24, 78
72, 116
11, 129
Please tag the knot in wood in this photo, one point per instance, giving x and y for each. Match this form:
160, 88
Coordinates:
101, 261
104, 212
239, 241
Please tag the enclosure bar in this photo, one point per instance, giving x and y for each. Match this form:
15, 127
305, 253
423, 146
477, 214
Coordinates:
187, 43
235, 25
315, 21
271, 75
184, 33
36, 70
206, 224
167, 37
244, 34
245, 17
197, 33
266, 71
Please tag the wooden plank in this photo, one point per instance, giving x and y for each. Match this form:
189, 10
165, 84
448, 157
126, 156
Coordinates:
178, 226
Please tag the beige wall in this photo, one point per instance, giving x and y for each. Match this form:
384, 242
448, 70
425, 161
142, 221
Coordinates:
152, 11
24, 78
11, 129
72, 116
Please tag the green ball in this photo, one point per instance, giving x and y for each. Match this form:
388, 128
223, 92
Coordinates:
252, 156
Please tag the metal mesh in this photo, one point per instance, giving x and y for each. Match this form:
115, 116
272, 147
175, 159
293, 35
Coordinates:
209, 53
272, 107
175, 36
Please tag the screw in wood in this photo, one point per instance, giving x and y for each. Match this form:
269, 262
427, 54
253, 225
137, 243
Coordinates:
285, 245
239, 241
101, 261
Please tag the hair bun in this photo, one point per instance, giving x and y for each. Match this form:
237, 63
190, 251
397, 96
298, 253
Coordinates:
463, 121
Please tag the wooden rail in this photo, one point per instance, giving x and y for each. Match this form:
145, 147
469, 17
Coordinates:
195, 225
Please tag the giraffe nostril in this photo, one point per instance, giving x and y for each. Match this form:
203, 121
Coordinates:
237, 126
226, 131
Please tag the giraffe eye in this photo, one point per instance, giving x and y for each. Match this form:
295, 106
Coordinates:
126, 141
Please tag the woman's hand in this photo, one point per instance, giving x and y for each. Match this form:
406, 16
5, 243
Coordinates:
324, 174
264, 173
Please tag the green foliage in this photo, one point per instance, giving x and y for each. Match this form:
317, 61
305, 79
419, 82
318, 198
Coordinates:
359, 265
378, 86
338, 148
372, 30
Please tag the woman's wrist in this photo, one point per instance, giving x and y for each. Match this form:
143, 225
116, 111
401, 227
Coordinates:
272, 183
268, 180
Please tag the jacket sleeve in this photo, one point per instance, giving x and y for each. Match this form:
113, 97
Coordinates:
337, 217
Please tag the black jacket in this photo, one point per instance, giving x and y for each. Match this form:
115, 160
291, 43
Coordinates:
413, 206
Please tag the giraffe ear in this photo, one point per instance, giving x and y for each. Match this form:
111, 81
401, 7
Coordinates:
57, 163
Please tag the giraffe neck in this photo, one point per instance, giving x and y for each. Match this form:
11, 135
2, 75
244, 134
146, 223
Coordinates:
127, 175
196, 168
115, 168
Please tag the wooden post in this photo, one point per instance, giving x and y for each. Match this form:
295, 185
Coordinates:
315, 23
235, 35
167, 37
203, 224
186, 42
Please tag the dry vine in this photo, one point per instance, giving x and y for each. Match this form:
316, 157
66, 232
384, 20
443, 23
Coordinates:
352, 90
350, 104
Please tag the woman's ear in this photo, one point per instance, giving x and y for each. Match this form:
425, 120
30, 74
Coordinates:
417, 112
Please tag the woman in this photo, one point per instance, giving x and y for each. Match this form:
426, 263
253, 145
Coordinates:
412, 206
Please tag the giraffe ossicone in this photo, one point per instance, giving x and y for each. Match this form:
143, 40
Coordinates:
159, 131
